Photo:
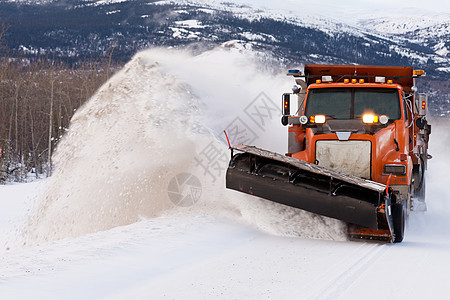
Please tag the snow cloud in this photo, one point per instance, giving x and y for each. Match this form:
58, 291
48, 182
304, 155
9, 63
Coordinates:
156, 123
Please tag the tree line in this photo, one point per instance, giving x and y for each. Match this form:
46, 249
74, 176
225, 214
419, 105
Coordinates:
37, 100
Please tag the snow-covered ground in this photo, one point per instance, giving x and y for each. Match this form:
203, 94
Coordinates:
116, 221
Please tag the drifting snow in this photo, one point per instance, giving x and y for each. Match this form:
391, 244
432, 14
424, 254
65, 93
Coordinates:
159, 117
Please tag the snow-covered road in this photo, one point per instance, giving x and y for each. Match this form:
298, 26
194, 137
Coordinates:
205, 257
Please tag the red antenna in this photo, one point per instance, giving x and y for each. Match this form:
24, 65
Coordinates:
387, 185
228, 140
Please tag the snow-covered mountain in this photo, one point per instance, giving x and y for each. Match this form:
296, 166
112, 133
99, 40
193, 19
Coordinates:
295, 32
412, 33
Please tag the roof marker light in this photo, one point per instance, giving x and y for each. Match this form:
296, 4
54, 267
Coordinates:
318, 81
390, 81
354, 80
361, 81
346, 80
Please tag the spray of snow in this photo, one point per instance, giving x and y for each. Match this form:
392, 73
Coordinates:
435, 222
111, 165
151, 122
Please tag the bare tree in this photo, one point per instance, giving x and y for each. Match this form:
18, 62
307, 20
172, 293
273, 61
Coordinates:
50, 126
37, 100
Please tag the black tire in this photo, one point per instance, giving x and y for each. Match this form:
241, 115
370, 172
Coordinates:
399, 218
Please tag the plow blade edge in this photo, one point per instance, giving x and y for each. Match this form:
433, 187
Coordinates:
309, 187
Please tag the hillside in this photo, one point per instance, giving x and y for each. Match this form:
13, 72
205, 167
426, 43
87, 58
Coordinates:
79, 30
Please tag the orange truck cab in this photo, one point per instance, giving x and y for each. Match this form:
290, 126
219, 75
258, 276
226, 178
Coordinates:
365, 121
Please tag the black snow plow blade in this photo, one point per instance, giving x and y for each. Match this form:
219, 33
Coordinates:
312, 188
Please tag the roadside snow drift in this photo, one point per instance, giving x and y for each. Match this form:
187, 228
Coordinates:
157, 127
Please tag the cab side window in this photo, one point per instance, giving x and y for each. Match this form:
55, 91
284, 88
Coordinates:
405, 109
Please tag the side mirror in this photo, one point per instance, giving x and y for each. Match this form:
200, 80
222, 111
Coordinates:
422, 104
421, 123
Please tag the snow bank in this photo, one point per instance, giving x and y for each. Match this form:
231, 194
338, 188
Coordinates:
157, 123
17, 201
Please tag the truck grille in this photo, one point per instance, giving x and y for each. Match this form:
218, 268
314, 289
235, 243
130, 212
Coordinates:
348, 157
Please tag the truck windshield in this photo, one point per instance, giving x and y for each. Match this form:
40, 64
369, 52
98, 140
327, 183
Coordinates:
351, 103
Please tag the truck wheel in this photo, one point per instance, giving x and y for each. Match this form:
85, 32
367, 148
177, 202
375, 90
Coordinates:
399, 218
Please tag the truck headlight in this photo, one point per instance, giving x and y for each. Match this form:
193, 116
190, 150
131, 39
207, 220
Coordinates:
318, 119
303, 120
384, 119
370, 119
395, 169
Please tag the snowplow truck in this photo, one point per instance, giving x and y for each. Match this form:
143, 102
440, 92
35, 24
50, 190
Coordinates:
357, 149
